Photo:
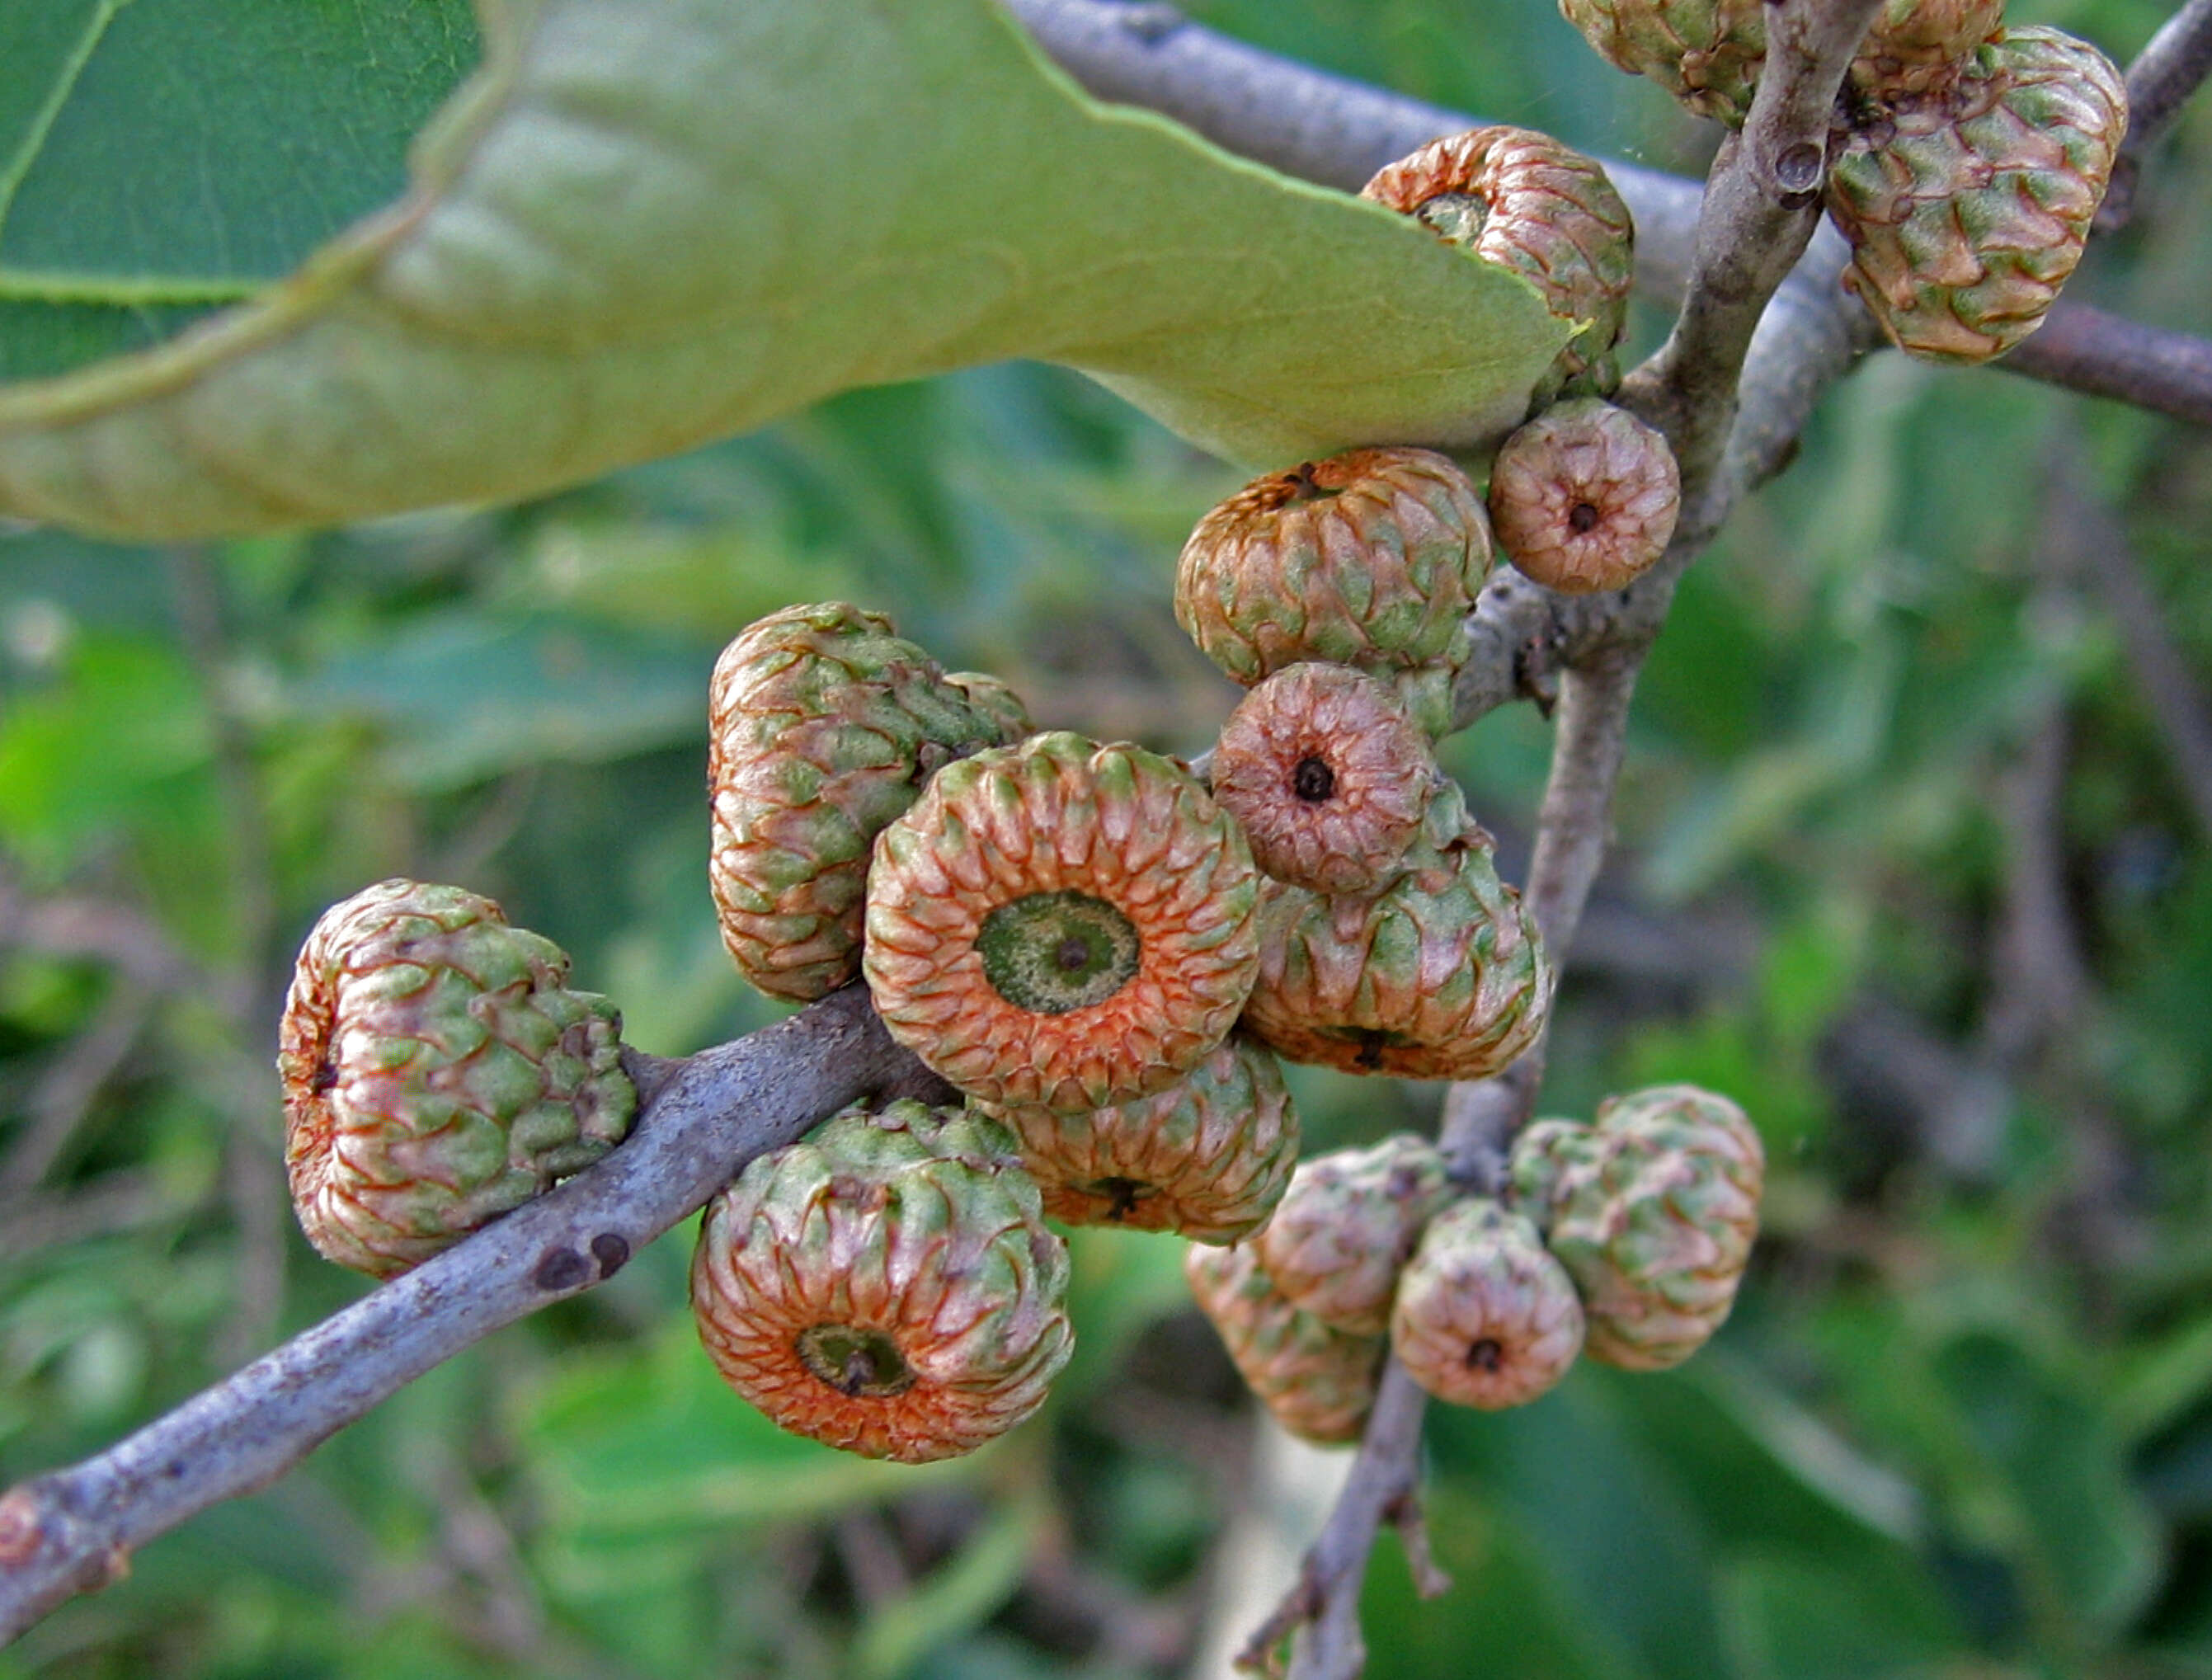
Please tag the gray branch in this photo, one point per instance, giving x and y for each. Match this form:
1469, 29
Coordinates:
703, 1118
2171, 68
1328, 128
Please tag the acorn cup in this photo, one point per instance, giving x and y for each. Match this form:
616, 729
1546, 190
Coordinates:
1326, 774
1917, 47
1351, 1220
1317, 1382
1652, 1211
886, 1286
436, 1073
1062, 925
1585, 497
823, 726
1523, 200
1484, 1316
1371, 558
1968, 208
1209, 1157
1441, 975
1707, 53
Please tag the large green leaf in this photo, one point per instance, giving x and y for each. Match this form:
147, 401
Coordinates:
215, 142
647, 223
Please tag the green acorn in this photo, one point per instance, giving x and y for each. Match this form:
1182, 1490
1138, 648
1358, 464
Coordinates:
1319, 1383
1484, 1316
1521, 199
437, 1073
1968, 208
1349, 1224
1441, 975
823, 726
886, 1286
1652, 1211
1209, 1157
1707, 53
1371, 558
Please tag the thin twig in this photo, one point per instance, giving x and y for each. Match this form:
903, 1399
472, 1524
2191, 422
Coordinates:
73, 1531
1328, 128
2165, 74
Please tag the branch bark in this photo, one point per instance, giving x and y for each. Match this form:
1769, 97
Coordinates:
702, 1118
2165, 74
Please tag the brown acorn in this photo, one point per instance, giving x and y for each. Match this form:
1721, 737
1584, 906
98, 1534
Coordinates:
1328, 776
1521, 199
1209, 1157
1061, 925
885, 1286
1349, 1222
1485, 1317
1585, 497
1318, 1383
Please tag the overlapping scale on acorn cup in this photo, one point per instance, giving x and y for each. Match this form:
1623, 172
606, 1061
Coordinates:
823, 725
1484, 1316
1371, 558
1523, 200
436, 1073
1328, 776
1209, 1157
1585, 497
1707, 53
1652, 1210
1967, 207
1318, 1382
1347, 1227
1440, 975
1916, 46
886, 1286
1062, 925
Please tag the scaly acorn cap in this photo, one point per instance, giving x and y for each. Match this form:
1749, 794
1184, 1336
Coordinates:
1968, 208
1348, 1225
1707, 53
1371, 558
1653, 1212
1209, 1157
1318, 1383
1915, 46
1441, 975
886, 1286
1585, 497
1327, 776
1484, 1316
823, 726
1062, 925
437, 1073
1521, 199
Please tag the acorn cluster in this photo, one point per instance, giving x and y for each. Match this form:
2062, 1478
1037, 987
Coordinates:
1967, 161
1624, 1239
1104, 950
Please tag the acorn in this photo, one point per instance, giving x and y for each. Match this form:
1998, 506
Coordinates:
1062, 925
1372, 559
1318, 1383
887, 1285
1585, 497
1521, 199
437, 1072
1484, 1316
1209, 1157
1347, 1227
822, 725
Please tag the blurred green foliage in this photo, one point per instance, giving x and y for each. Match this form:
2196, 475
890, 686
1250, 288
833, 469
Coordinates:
1960, 1425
